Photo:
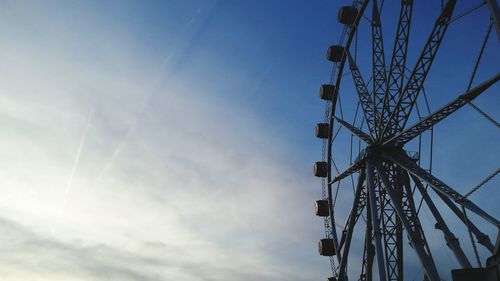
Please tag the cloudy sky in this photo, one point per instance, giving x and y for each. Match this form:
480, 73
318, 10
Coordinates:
172, 140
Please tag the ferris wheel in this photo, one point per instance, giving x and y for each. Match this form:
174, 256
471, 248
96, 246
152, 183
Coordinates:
390, 184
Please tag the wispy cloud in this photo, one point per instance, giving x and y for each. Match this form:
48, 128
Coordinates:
37, 257
189, 187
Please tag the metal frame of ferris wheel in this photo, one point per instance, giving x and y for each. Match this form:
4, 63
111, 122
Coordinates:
384, 190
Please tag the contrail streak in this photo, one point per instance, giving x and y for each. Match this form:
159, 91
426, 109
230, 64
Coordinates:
122, 143
157, 78
75, 165
132, 127
77, 157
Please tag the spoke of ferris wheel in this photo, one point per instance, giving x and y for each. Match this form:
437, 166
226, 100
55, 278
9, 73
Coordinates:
405, 200
479, 56
357, 207
378, 61
495, 15
360, 134
377, 232
352, 169
364, 96
451, 240
482, 238
393, 231
362, 275
368, 251
474, 70
408, 96
441, 113
488, 178
412, 227
356, 210
398, 63
402, 160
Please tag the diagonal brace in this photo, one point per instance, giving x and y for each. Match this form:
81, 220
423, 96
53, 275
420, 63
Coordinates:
441, 113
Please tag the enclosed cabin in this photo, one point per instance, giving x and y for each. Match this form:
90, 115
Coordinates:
327, 92
321, 208
322, 130
347, 15
326, 247
320, 169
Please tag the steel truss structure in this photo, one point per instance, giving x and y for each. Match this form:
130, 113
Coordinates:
388, 176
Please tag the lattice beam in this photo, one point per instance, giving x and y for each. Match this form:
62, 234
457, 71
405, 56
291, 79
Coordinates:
369, 249
363, 95
393, 239
378, 61
408, 96
395, 77
410, 221
377, 231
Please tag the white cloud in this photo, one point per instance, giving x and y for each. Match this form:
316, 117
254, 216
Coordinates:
196, 188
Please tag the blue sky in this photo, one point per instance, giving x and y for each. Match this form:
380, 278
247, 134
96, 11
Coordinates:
173, 140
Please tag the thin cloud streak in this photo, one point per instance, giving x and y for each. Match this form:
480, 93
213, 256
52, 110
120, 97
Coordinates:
75, 165
159, 77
